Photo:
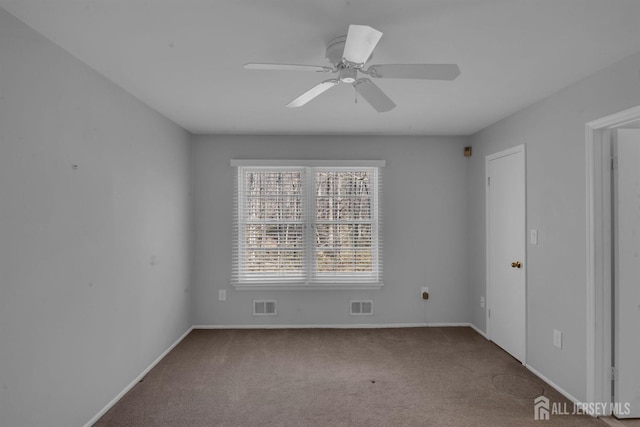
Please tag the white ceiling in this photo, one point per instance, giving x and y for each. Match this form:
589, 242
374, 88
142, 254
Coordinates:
184, 57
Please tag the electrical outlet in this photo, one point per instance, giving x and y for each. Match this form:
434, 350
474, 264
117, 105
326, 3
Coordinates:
424, 292
557, 338
482, 302
222, 294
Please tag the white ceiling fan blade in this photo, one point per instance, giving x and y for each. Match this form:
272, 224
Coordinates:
287, 67
415, 71
361, 40
312, 93
374, 95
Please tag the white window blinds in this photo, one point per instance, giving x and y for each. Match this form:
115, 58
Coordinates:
271, 225
307, 225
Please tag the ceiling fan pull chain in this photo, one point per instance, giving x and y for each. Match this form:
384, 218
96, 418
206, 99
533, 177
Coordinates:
356, 94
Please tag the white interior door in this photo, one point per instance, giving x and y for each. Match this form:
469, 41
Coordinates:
506, 290
627, 275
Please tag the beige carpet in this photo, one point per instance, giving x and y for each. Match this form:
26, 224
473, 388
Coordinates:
614, 422
337, 377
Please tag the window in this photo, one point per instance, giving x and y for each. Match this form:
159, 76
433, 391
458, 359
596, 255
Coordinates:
307, 224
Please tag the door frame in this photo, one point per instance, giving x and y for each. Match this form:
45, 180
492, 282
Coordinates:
599, 298
513, 150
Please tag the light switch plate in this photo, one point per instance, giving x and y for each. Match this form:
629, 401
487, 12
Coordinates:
534, 237
222, 294
557, 338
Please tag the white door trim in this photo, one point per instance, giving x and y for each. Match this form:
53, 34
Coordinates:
489, 158
598, 253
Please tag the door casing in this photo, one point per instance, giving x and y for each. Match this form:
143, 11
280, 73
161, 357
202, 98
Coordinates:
626, 153
598, 252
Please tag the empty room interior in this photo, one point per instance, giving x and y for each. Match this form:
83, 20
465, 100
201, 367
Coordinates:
307, 212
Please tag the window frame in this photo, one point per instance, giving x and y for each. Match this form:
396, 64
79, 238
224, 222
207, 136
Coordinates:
309, 277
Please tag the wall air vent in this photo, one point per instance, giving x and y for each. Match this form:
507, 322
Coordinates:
264, 308
361, 307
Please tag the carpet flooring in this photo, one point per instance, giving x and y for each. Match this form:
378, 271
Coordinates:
338, 377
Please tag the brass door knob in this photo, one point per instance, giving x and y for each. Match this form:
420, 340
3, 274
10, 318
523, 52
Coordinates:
516, 264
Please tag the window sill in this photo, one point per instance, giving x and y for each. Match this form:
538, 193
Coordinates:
305, 286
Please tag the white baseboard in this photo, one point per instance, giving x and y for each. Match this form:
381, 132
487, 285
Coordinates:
135, 381
475, 328
325, 326
552, 384
339, 326
447, 324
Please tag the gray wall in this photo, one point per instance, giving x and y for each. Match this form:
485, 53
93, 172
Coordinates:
94, 262
554, 133
424, 204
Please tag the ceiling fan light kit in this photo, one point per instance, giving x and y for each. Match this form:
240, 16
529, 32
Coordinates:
348, 56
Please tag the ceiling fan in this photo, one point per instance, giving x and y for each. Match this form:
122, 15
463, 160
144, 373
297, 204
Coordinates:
348, 56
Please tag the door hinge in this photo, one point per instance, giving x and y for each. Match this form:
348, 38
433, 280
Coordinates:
614, 373
488, 180
489, 313
614, 163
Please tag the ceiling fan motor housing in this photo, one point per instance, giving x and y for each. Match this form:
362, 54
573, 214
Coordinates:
335, 48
